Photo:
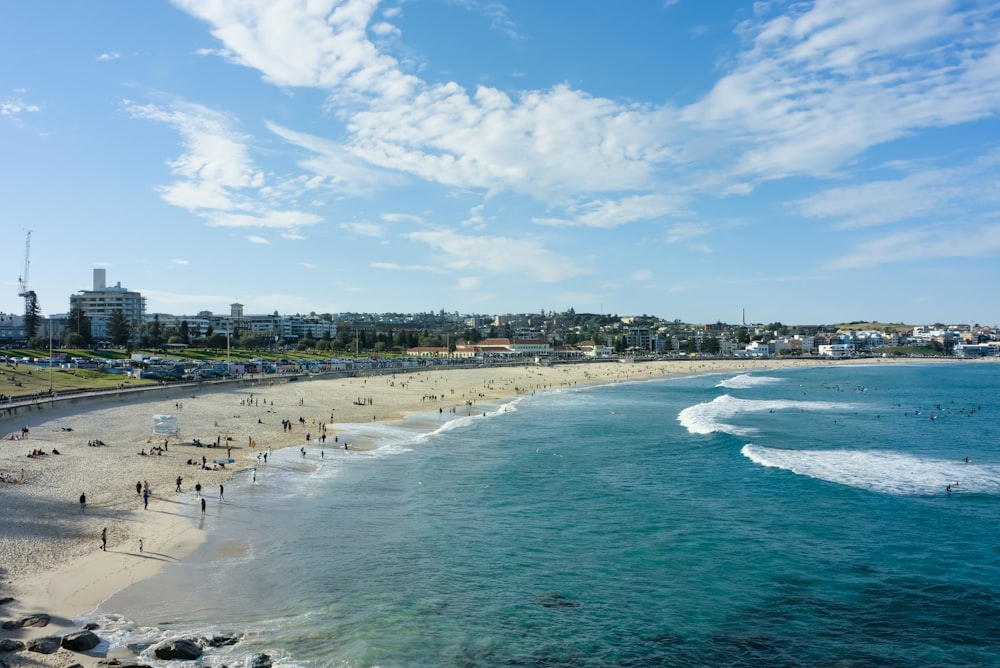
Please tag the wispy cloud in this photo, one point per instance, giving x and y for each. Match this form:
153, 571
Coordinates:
110, 55
364, 229
392, 266
822, 82
179, 261
254, 239
921, 244
14, 105
216, 177
498, 255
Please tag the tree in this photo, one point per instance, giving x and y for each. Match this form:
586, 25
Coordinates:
32, 315
216, 341
156, 332
118, 328
185, 333
77, 327
710, 345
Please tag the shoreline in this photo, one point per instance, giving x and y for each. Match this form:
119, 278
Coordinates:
50, 556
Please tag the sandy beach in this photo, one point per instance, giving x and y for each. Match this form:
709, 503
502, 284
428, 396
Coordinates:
51, 559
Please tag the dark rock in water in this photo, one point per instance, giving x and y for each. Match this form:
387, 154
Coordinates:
185, 649
91, 626
221, 641
117, 663
81, 641
260, 661
6, 599
10, 645
49, 645
138, 648
556, 600
38, 620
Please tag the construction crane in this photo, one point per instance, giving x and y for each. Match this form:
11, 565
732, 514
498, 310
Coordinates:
22, 281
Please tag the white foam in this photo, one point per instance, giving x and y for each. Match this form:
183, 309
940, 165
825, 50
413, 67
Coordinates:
709, 417
746, 381
883, 471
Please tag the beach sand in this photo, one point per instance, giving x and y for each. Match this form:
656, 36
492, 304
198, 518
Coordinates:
50, 556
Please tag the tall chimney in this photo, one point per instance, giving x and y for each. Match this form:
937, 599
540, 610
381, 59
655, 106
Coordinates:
99, 279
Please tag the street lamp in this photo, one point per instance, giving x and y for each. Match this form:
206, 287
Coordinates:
50, 355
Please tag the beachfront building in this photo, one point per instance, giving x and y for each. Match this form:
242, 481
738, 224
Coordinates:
836, 350
12, 328
102, 301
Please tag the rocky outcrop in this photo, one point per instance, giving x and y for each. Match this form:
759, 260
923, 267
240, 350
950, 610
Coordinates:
40, 620
48, 645
221, 641
118, 663
260, 661
10, 645
185, 649
81, 641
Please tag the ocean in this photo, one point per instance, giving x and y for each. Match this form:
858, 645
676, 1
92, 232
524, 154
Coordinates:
795, 517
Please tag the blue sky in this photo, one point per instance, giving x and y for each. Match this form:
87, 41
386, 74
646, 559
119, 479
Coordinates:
810, 162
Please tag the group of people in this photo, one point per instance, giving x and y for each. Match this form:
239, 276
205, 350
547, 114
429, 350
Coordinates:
10, 477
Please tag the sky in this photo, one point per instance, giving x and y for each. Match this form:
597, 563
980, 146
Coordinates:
802, 162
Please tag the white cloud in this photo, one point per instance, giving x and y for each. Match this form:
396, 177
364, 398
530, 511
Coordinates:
469, 283
254, 239
955, 193
179, 261
216, 176
401, 218
498, 255
111, 55
922, 244
614, 213
830, 79
682, 232
364, 229
392, 266
15, 106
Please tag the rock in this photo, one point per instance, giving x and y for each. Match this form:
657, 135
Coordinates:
74, 665
91, 626
221, 641
49, 645
39, 620
117, 663
556, 600
260, 661
81, 641
10, 645
185, 649
6, 599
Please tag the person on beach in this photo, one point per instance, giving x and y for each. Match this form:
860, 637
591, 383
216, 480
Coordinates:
203, 506
140, 546
83, 502
197, 489
138, 488
145, 499
179, 480
222, 491
104, 539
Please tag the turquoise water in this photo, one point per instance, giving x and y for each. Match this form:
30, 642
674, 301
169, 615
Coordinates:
784, 518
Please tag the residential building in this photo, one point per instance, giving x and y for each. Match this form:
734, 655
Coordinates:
99, 303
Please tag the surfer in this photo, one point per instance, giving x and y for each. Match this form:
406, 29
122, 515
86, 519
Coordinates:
948, 489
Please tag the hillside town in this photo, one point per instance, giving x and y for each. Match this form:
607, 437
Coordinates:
115, 316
